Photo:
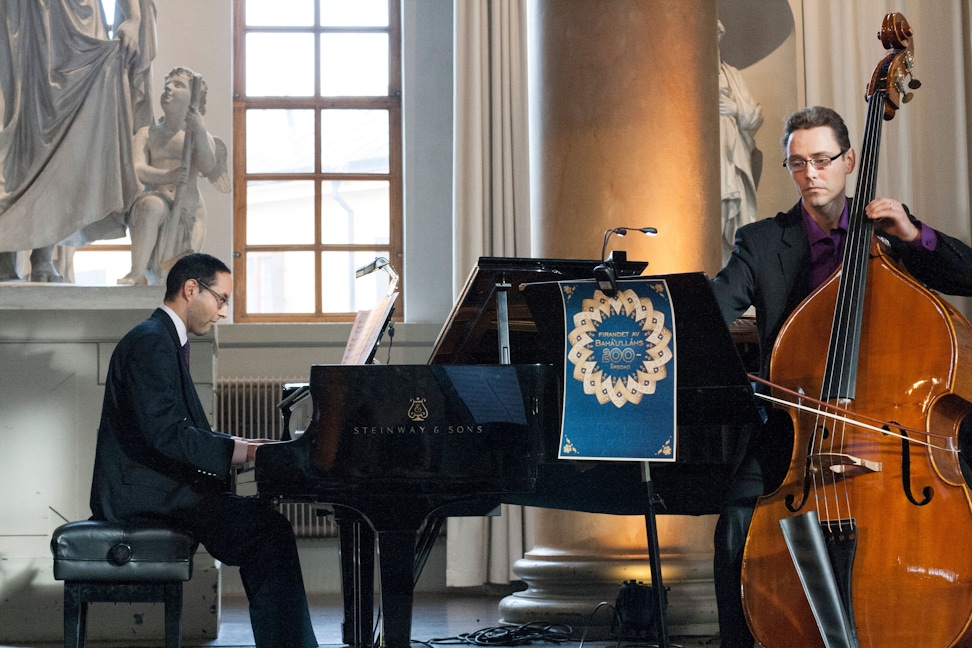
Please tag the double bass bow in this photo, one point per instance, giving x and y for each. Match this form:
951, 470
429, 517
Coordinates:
868, 541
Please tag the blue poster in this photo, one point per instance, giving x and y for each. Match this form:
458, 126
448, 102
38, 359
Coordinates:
619, 372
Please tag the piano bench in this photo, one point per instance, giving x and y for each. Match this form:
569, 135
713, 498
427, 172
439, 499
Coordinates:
134, 563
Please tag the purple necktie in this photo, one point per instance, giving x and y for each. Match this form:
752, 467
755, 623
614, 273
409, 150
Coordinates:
185, 353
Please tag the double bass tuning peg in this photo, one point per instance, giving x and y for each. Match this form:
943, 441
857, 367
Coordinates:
914, 84
899, 85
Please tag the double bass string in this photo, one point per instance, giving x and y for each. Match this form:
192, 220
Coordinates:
840, 377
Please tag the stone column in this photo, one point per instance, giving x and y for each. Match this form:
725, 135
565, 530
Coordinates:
624, 123
624, 132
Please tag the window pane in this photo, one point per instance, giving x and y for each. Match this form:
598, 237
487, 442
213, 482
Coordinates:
279, 213
354, 141
342, 292
354, 13
354, 65
101, 268
279, 141
280, 65
274, 13
280, 282
354, 211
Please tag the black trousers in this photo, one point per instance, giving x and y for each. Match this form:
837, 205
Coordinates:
765, 458
249, 533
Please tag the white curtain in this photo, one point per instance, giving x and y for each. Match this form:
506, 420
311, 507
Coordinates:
491, 218
491, 197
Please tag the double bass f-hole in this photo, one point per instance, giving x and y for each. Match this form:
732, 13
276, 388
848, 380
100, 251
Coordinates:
809, 470
817, 463
928, 492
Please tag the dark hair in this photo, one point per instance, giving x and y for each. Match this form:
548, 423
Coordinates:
198, 266
813, 117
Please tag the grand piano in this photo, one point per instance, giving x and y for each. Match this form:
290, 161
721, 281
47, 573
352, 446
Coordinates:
397, 449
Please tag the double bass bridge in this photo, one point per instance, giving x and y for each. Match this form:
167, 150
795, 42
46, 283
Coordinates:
842, 464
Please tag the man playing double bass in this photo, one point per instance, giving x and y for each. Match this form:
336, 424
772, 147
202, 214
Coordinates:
778, 262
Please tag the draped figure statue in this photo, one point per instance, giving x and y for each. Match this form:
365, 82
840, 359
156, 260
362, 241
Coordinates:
739, 119
70, 102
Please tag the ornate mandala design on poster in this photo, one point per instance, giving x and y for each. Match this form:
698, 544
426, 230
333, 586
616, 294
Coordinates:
619, 347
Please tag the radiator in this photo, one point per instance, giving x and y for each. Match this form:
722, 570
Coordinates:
247, 407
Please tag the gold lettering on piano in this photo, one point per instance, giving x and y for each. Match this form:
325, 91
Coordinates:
393, 429
465, 429
375, 430
418, 411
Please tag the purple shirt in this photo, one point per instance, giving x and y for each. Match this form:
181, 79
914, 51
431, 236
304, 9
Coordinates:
827, 248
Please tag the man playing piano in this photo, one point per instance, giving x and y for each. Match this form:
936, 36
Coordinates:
158, 459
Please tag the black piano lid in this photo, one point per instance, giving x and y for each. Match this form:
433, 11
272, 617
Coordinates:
713, 388
469, 335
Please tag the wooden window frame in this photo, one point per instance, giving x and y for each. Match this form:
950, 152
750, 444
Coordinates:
392, 103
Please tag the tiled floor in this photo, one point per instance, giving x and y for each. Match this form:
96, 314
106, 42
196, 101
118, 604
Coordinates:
436, 616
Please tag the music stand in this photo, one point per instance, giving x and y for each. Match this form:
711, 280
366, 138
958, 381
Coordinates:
713, 386
490, 317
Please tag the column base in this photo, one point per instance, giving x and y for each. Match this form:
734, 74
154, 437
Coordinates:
577, 591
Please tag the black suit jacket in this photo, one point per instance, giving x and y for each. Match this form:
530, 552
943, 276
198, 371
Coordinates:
157, 456
770, 269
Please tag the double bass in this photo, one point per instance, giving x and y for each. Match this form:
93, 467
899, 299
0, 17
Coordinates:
868, 541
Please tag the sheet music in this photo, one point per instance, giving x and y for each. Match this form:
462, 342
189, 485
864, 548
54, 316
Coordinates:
366, 330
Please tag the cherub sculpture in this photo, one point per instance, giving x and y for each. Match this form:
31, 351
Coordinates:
168, 219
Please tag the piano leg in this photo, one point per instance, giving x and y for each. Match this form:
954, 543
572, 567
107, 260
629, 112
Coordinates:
396, 560
426, 540
402, 554
357, 545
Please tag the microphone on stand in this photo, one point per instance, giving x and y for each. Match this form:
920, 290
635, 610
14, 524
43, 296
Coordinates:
606, 274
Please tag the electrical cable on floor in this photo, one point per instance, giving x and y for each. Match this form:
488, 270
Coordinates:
518, 635
597, 607
511, 635
617, 619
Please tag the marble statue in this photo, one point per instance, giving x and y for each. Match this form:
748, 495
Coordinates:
739, 119
70, 101
168, 218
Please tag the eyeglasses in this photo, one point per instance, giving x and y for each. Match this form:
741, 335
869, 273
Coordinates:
220, 300
795, 165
